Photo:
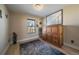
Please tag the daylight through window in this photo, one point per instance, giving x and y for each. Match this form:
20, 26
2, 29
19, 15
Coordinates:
31, 26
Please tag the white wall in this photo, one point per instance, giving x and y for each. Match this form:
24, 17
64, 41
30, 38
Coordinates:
71, 15
18, 25
71, 24
3, 29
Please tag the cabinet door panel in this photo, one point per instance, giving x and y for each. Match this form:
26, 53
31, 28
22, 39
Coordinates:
55, 35
49, 35
49, 29
52, 35
44, 33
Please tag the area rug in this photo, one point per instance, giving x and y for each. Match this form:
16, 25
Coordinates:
38, 47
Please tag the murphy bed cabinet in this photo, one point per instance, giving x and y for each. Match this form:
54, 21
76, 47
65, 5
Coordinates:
53, 34
52, 30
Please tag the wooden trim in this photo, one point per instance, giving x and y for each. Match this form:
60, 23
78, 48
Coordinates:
53, 25
62, 16
62, 29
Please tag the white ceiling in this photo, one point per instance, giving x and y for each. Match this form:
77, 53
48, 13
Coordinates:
28, 9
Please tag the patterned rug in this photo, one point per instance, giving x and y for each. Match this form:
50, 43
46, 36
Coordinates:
38, 48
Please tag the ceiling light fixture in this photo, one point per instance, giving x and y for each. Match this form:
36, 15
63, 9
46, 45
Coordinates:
38, 6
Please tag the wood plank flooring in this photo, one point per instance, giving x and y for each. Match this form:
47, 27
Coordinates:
13, 50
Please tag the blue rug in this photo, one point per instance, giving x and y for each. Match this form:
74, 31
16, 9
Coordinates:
38, 48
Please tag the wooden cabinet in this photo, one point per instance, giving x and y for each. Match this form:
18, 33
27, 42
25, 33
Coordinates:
53, 34
44, 34
49, 36
53, 30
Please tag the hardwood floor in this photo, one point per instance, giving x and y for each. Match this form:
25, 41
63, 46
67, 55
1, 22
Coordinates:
70, 50
13, 50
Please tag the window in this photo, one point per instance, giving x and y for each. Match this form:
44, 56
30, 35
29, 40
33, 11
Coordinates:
55, 18
31, 26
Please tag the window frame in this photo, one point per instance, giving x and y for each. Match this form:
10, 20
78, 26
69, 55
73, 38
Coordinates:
30, 32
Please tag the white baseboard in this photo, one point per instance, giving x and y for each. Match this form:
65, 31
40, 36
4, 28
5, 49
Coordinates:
4, 51
28, 39
72, 46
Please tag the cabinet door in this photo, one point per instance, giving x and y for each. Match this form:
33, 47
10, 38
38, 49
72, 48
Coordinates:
44, 33
61, 34
49, 36
55, 35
